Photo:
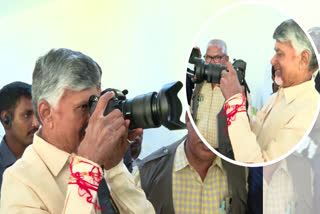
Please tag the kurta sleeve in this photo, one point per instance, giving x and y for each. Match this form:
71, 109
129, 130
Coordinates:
128, 197
244, 141
81, 196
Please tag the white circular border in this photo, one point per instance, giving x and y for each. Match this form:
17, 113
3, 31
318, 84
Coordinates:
203, 28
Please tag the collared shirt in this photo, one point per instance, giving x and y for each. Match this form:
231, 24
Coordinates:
7, 158
210, 102
278, 126
278, 195
190, 193
38, 183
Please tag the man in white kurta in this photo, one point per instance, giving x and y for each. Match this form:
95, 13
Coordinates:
289, 113
73, 152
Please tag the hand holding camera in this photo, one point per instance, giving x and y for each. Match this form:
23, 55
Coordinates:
105, 141
229, 83
112, 115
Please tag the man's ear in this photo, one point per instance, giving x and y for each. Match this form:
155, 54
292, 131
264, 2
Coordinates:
305, 59
227, 58
45, 113
6, 119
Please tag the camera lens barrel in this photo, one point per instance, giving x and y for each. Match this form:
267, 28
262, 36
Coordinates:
141, 111
212, 72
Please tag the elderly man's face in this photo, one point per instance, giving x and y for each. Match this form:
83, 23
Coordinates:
215, 55
70, 117
287, 61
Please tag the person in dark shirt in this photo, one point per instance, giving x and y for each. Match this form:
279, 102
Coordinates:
19, 123
255, 190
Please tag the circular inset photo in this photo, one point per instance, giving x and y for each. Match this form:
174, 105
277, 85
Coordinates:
250, 84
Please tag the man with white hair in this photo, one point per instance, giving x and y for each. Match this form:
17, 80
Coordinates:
286, 117
207, 102
73, 154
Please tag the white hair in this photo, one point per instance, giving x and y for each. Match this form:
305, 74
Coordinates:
59, 70
289, 30
220, 44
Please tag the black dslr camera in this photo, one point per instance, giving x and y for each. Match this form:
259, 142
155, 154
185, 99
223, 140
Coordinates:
212, 72
149, 110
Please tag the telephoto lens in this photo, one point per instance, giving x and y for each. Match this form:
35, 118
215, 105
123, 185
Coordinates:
150, 110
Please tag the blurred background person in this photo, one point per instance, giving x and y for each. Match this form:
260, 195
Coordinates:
19, 123
186, 177
207, 103
287, 186
131, 157
255, 190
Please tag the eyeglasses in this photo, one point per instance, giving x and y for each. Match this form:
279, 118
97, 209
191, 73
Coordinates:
213, 58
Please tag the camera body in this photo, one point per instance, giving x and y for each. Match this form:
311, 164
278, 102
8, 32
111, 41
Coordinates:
149, 110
